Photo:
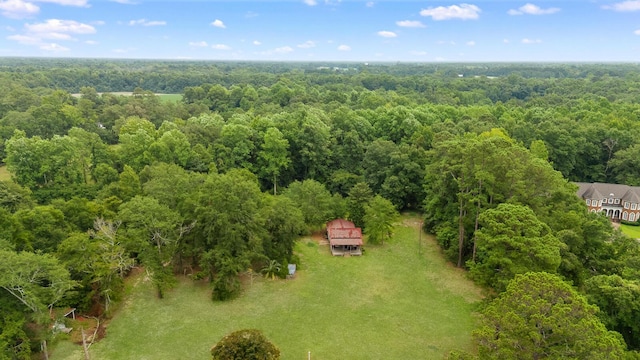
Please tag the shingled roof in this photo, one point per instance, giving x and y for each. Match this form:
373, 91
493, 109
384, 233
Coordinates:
601, 191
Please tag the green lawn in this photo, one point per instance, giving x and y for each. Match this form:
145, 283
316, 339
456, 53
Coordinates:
631, 231
4, 174
398, 301
170, 97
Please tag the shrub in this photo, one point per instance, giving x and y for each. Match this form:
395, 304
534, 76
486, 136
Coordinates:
248, 344
630, 223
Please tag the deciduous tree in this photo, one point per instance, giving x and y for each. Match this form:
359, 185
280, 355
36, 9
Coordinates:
619, 303
273, 156
512, 241
38, 281
154, 231
379, 216
314, 200
359, 196
541, 317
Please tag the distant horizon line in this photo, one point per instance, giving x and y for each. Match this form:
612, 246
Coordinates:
365, 62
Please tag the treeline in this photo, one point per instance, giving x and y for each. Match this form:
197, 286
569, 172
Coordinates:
456, 84
226, 179
588, 139
501, 211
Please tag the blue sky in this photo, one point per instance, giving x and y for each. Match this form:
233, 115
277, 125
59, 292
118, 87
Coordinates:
324, 30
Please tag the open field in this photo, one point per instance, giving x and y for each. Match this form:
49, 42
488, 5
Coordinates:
398, 301
170, 97
631, 231
4, 174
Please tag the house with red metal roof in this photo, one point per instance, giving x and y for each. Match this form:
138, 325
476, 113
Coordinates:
344, 238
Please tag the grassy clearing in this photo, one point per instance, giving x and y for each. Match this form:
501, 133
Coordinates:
4, 174
170, 97
398, 301
631, 231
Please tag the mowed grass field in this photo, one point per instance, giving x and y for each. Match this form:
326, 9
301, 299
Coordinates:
399, 301
170, 97
631, 231
4, 173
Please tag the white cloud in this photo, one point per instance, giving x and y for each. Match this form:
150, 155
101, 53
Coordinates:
55, 26
625, 6
56, 36
53, 47
418, 53
220, 47
280, 50
307, 44
219, 24
52, 29
471, 43
637, 32
532, 9
198, 43
25, 39
91, 42
80, 3
506, 41
145, 22
283, 50
18, 9
462, 11
410, 23
125, 2
370, 4
531, 41
256, 42
311, 2
387, 34
344, 48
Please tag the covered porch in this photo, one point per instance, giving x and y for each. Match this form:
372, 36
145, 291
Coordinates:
344, 250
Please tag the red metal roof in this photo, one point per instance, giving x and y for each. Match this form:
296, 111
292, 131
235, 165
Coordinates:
343, 232
353, 233
340, 224
352, 242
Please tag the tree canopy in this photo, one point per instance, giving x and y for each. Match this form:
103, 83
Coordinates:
255, 154
541, 317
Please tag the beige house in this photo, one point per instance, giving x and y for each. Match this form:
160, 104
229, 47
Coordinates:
617, 202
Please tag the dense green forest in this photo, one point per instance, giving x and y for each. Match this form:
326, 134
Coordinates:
256, 154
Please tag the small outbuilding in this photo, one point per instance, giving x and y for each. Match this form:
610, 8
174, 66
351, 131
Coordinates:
344, 238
